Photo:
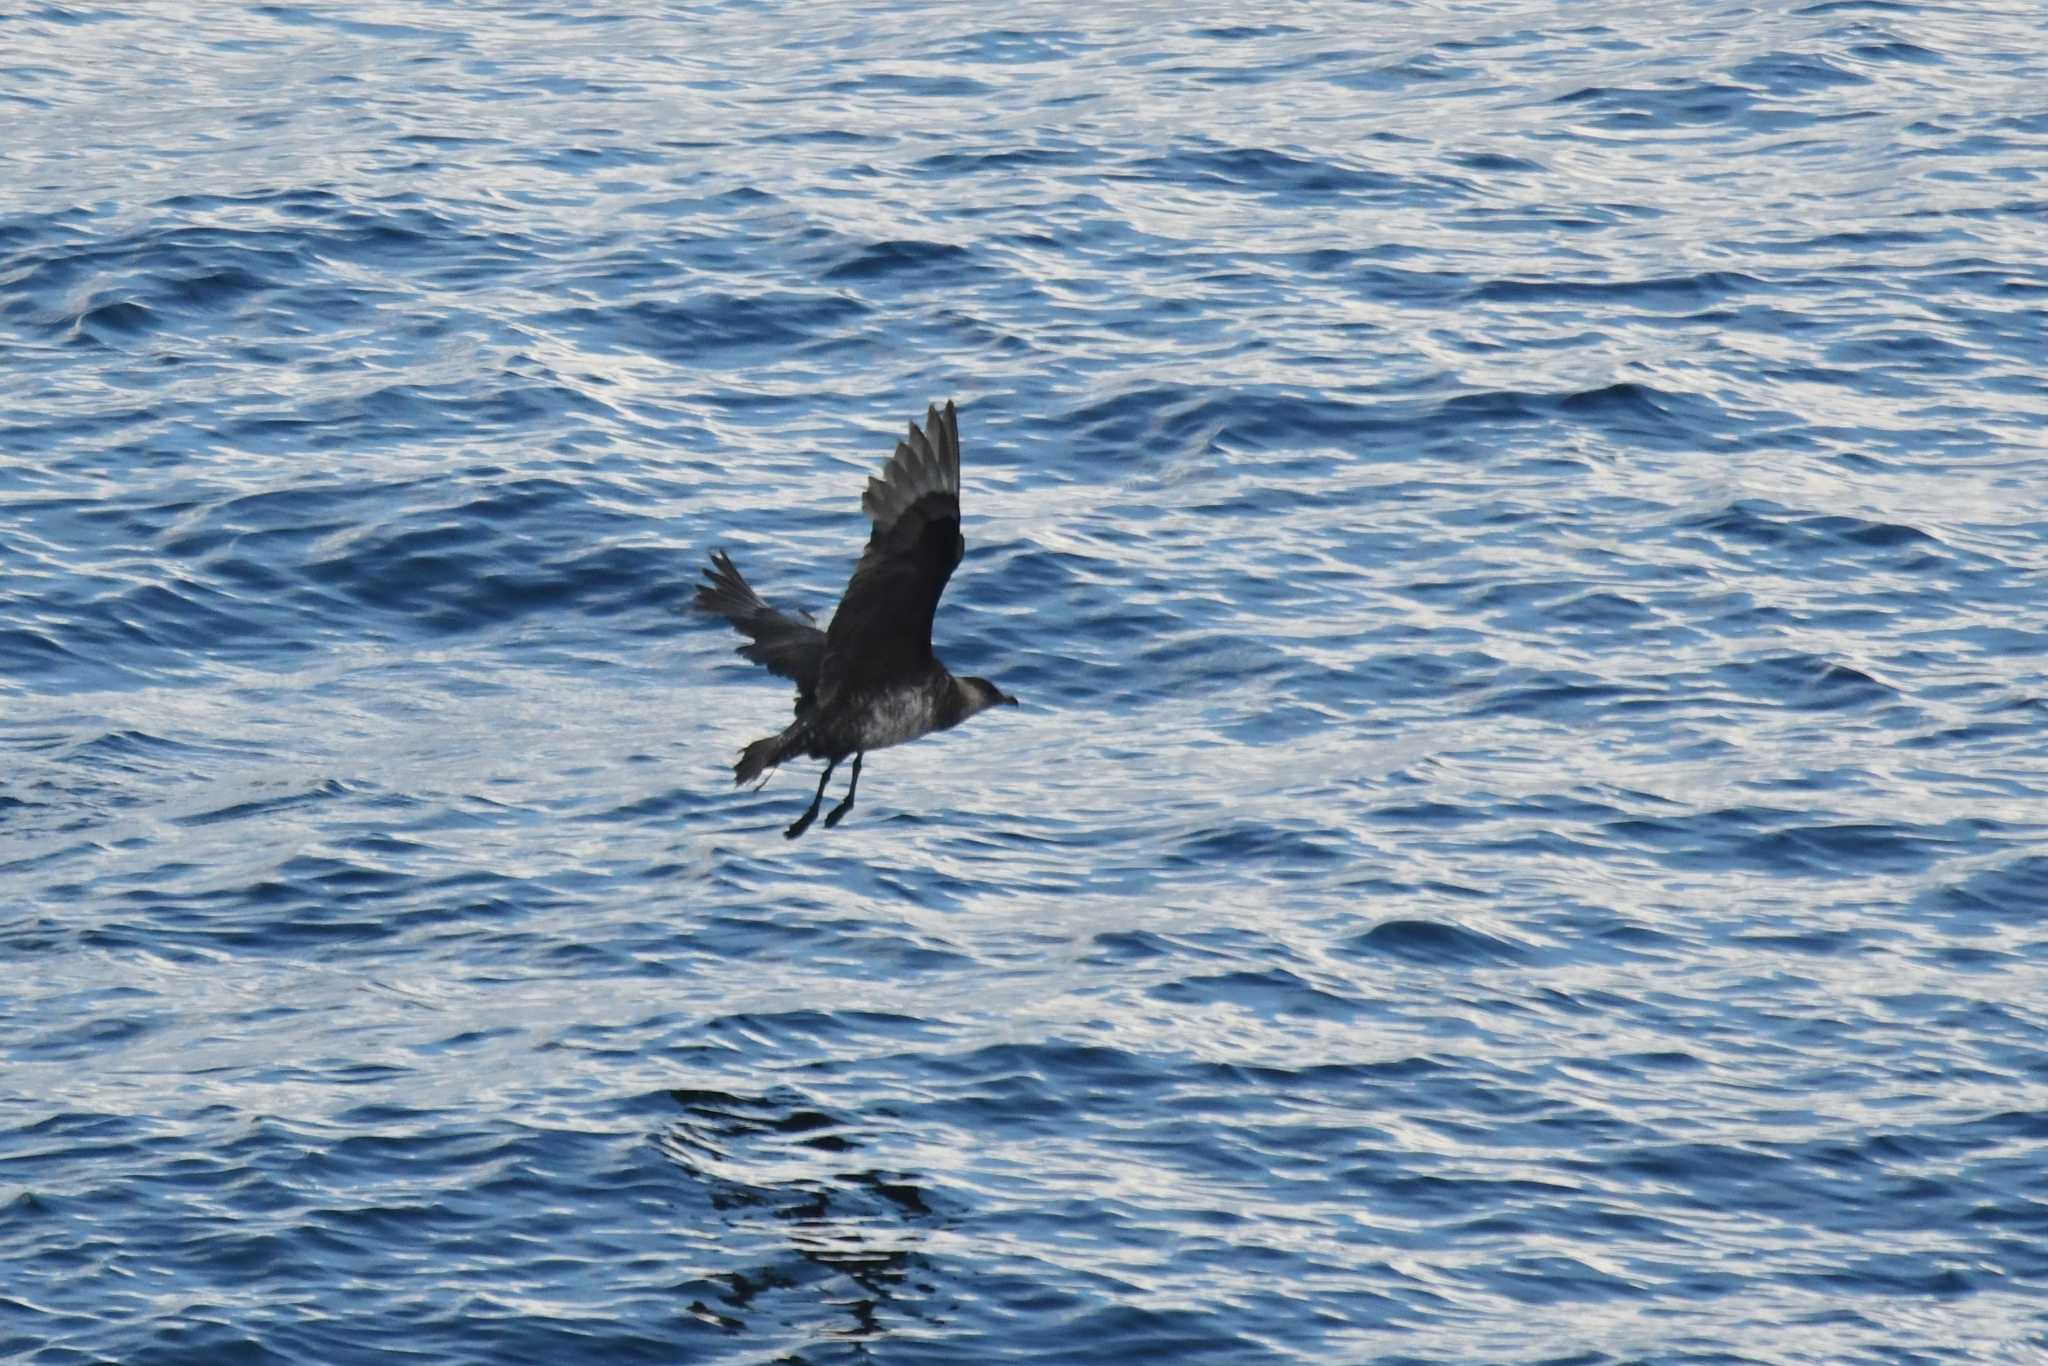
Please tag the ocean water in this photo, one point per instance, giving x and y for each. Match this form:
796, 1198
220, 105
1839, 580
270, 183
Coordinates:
1521, 529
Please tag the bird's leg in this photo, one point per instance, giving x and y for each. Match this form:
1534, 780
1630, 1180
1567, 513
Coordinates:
834, 816
803, 822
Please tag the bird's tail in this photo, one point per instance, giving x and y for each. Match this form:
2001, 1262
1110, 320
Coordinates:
763, 755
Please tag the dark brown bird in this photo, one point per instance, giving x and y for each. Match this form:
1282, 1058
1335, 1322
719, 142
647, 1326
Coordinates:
870, 679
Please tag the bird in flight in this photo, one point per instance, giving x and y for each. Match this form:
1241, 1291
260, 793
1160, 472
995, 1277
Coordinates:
870, 679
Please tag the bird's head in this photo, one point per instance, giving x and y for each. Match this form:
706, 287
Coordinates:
979, 694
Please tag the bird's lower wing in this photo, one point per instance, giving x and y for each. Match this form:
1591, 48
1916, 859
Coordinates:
781, 643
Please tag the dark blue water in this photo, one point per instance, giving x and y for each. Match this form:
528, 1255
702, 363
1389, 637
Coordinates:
1521, 529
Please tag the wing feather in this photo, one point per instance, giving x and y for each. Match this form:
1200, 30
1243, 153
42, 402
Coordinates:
783, 644
882, 631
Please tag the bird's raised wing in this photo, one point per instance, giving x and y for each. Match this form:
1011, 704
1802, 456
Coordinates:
882, 632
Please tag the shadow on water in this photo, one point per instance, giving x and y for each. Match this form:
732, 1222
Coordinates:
821, 1230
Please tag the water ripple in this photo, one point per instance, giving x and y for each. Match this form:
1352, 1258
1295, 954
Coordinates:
1518, 535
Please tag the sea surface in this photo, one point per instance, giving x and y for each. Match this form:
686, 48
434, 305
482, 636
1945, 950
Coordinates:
1520, 528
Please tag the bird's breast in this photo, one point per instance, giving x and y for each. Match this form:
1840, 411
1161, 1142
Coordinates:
891, 717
